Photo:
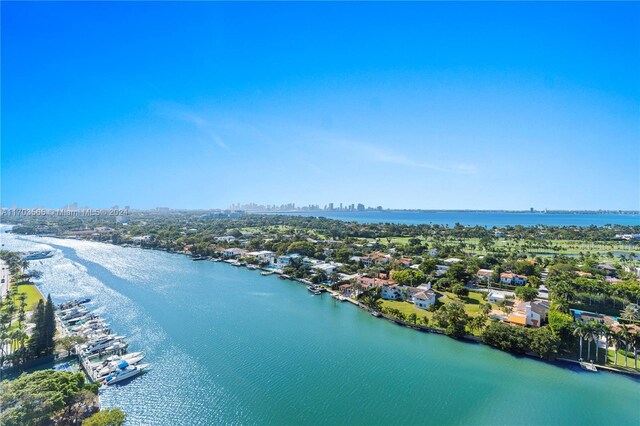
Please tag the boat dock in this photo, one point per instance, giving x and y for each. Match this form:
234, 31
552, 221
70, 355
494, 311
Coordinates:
102, 355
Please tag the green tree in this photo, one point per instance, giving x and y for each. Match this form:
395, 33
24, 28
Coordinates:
35, 398
106, 417
37, 340
544, 342
507, 337
410, 277
49, 327
460, 290
452, 318
526, 293
428, 266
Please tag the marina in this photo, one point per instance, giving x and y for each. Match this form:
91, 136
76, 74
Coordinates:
102, 355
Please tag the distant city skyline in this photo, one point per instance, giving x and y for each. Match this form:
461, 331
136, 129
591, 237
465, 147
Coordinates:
428, 105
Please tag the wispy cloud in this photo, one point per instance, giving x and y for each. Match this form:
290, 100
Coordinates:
204, 126
384, 155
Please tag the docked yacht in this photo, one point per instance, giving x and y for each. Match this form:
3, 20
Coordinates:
124, 372
111, 364
101, 343
314, 289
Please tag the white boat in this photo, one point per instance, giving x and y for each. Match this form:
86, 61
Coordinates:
588, 366
126, 372
265, 273
113, 362
102, 343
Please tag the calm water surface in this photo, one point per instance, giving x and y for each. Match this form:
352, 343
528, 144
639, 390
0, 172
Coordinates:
229, 346
487, 219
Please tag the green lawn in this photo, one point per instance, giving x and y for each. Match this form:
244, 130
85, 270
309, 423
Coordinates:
471, 303
534, 248
621, 358
407, 308
32, 292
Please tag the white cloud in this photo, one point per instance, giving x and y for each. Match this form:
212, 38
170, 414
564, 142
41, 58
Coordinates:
383, 155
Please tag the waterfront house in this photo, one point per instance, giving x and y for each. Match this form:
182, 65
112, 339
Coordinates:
368, 283
424, 299
284, 261
233, 252
263, 256
346, 290
326, 267
496, 296
484, 275
391, 292
541, 307
407, 293
522, 314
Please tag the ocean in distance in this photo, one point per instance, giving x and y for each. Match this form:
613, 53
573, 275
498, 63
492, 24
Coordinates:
229, 346
477, 218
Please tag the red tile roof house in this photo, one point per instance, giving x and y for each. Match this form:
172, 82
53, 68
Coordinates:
372, 282
484, 274
346, 289
512, 279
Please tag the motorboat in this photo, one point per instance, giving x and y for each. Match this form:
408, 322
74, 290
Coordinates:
72, 303
101, 343
113, 362
588, 366
124, 372
376, 314
314, 289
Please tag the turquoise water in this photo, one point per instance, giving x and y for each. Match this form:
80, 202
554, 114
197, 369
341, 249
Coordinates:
487, 219
229, 346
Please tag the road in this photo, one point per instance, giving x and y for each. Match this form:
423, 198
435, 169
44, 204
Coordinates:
5, 278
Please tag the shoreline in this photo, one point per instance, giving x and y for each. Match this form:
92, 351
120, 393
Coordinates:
425, 329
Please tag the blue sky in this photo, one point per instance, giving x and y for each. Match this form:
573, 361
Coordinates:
413, 105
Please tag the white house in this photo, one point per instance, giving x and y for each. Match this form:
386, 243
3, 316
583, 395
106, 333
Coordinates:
233, 252
424, 287
424, 299
512, 279
327, 268
484, 275
390, 292
522, 314
496, 296
263, 256
284, 261
227, 238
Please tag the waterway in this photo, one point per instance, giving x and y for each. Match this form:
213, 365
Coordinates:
229, 346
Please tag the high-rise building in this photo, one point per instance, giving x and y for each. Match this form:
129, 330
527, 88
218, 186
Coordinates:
360, 207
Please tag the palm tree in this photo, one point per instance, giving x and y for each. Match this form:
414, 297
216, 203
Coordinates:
413, 318
618, 339
631, 312
580, 331
600, 330
626, 339
590, 329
